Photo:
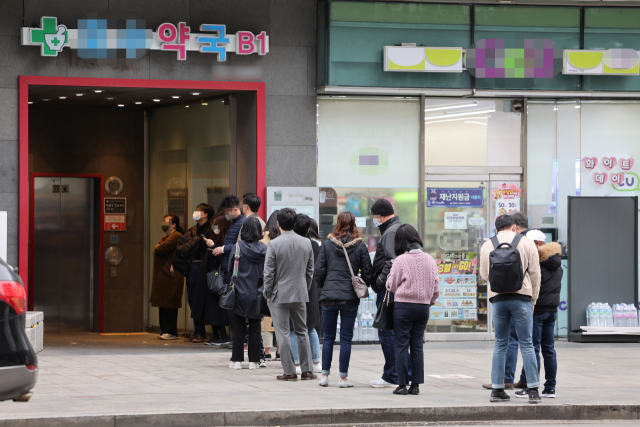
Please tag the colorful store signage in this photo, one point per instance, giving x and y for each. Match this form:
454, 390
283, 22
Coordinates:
623, 180
105, 37
457, 274
423, 59
507, 199
601, 62
459, 197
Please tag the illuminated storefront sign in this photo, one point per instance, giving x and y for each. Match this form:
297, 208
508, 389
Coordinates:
601, 62
105, 38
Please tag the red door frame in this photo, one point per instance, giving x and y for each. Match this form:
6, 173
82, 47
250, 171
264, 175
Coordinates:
32, 177
24, 180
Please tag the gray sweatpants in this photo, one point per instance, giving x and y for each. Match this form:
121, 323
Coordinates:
294, 313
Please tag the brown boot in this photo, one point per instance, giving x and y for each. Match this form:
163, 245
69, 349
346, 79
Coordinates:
287, 377
507, 386
520, 384
308, 376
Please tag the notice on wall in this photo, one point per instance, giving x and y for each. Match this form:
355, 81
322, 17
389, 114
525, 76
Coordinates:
459, 197
455, 220
457, 274
114, 205
507, 199
115, 223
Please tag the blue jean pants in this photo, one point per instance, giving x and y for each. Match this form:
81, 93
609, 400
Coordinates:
348, 314
544, 325
388, 344
314, 343
522, 313
512, 354
198, 324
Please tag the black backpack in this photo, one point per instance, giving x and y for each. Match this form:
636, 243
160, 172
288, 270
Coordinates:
186, 251
505, 266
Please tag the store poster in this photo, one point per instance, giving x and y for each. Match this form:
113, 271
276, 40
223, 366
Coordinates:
609, 176
457, 274
458, 197
455, 220
507, 199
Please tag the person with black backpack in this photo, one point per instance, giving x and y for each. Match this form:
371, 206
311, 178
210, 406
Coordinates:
510, 263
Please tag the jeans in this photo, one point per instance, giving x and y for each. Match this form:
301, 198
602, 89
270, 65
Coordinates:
388, 344
409, 323
544, 325
314, 342
512, 354
168, 320
348, 314
522, 313
198, 324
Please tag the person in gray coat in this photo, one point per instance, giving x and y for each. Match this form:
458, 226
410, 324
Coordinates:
288, 276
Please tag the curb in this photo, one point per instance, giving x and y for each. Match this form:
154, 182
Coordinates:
344, 416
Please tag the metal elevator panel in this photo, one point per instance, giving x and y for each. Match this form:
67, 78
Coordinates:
63, 252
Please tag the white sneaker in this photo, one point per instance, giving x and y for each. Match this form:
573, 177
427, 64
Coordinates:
324, 382
253, 365
380, 383
298, 370
317, 368
235, 365
344, 383
263, 363
167, 337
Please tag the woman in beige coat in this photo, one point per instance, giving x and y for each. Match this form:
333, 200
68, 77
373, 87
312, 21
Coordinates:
167, 284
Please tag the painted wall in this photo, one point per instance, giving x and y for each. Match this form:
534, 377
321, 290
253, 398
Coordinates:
289, 72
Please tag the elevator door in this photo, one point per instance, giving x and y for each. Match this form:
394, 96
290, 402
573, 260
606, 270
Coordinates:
63, 227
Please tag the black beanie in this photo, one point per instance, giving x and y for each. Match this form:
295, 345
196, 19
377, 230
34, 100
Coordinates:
382, 207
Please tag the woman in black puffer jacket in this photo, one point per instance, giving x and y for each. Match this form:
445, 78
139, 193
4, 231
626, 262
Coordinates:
338, 297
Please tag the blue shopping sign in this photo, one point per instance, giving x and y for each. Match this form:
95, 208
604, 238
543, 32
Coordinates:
458, 197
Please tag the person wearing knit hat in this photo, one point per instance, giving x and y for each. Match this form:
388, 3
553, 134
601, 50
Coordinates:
384, 217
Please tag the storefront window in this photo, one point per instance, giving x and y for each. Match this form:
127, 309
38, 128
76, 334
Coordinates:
465, 132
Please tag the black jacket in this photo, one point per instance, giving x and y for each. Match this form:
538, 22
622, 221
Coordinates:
551, 277
250, 268
312, 305
332, 272
385, 253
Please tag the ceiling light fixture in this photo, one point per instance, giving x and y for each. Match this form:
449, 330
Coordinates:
204, 103
98, 91
451, 107
470, 113
175, 96
120, 105
30, 102
156, 100
63, 97
110, 98
46, 99
79, 94
138, 103
186, 106
454, 120
195, 93
476, 123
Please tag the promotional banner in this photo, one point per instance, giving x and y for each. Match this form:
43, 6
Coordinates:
458, 197
507, 199
457, 273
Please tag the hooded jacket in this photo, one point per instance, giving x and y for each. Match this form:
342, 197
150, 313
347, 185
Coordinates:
332, 271
551, 277
250, 269
385, 253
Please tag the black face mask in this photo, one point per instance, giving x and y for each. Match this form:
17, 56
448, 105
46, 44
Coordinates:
165, 228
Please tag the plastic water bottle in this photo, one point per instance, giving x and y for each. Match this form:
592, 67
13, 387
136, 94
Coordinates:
609, 322
633, 316
589, 311
616, 315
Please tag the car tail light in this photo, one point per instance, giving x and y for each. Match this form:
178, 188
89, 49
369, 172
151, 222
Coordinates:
13, 294
32, 367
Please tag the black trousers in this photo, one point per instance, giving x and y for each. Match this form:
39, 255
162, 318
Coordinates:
409, 323
239, 325
168, 320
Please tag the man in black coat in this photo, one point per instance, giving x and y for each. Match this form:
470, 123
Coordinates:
545, 312
384, 217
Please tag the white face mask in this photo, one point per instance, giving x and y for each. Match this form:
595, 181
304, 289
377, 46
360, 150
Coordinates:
376, 223
229, 217
197, 215
216, 230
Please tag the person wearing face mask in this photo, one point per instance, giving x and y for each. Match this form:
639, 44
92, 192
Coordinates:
202, 216
166, 285
250, 205
384, 217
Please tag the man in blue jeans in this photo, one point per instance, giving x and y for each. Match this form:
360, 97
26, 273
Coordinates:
546, 310
515, 300
385, 219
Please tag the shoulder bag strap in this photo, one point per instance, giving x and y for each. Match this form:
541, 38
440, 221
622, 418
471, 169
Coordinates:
235, 263
346, 255
495, 242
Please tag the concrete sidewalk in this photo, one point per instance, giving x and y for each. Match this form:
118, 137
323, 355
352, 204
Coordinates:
139, 380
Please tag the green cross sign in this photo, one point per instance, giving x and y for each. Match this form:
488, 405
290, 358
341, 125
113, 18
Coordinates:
49, 27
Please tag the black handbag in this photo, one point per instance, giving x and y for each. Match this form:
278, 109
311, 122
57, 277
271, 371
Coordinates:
228, 293
384, 315
263, 307
215, 281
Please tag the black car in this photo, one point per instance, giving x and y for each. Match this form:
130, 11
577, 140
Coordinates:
18, 363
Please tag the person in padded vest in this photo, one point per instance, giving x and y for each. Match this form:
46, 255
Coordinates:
516, 304
545, 311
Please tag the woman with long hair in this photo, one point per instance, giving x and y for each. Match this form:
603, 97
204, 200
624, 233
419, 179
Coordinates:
333, 276
166, 284
414, 281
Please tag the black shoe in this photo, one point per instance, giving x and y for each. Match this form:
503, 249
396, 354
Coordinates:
414, 389
531, 393
548, 392
498, 395
401, 390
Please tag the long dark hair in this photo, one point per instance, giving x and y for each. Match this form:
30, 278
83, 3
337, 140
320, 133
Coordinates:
175, 220
313, 231
272, 225
405, 237
251, 230
346, 224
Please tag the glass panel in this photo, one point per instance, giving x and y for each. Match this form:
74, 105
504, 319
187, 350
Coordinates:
371, 142
455, 228
558, 24
478, 132
188, 165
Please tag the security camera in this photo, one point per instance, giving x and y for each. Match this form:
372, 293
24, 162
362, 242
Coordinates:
516, 106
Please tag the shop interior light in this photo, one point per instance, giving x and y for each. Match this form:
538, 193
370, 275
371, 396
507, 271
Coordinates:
186, 106
451, 107
204, 103
79, 94
195, 93
156, 100
110, 98
120, 105
63, 97
470, 113
138, 103
46, 99
30, 102
98, 90
175, 96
